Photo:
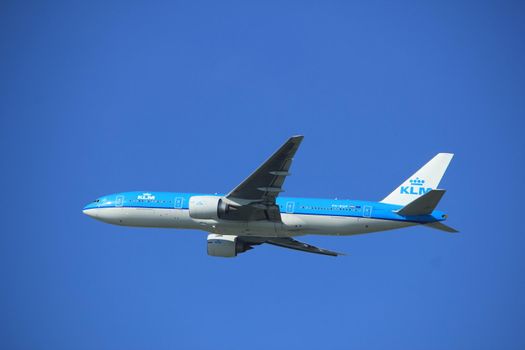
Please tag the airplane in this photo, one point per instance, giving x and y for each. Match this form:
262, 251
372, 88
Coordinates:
253, 213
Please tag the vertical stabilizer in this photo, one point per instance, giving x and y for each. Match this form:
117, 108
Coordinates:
424, 180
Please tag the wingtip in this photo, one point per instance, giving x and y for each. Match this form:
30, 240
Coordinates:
446, 154
333, 253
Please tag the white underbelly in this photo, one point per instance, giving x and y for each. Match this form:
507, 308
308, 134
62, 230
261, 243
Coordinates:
297, 225
292, 224
145, 217
337, 225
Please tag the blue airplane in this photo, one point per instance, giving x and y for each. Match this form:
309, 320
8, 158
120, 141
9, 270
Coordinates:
253, 214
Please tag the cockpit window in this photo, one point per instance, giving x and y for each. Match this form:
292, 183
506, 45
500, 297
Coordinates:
96, 201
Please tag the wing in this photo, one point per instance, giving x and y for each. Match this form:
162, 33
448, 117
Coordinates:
254, 198
288, 242
265, 183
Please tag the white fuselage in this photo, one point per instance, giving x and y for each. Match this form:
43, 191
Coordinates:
292, 224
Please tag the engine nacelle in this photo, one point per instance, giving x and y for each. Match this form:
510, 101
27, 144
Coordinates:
204, 207
225, 246
211, 208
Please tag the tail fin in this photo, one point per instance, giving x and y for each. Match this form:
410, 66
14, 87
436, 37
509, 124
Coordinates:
423, 205
424, 180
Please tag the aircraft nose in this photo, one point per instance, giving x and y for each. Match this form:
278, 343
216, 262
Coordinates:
90, 211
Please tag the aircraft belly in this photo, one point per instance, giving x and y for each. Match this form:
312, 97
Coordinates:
292, 224
145, 217
260, 228
298, 224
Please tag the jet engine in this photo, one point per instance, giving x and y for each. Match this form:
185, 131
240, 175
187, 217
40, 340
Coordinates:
204, 207
210, 208
226, 246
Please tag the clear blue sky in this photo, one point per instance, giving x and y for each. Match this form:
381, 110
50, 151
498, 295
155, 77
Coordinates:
99, 97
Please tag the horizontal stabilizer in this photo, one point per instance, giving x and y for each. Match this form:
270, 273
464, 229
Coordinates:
423, 205
442, 227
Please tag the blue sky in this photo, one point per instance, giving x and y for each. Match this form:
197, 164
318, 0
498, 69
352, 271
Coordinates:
106, 96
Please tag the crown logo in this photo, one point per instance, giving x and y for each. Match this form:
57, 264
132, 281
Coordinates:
417, 182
